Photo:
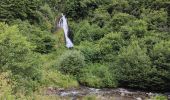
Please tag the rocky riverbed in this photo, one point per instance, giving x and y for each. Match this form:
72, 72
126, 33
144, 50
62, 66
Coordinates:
101, 94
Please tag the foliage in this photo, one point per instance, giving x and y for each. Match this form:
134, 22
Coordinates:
133, 67
57, 80
97, 75
41, 40
160, 58
46, 17
5, 86
18, 9
90, 97
110, 46
100, 17
70, 62
16, 56
77, 9
117, 42
87, 32
137, 28
90, 51
157, 19
159, 97
120, 19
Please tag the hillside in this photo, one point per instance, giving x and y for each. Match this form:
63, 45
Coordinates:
117, 43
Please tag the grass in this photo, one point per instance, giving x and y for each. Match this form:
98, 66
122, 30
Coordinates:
159, 97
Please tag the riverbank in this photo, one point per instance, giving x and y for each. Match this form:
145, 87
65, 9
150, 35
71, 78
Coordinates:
83, 92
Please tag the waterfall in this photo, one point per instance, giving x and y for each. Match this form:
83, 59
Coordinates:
63, 24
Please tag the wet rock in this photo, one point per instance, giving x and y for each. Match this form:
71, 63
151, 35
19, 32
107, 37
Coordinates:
122, 94
103, 94
150, 94
138, 98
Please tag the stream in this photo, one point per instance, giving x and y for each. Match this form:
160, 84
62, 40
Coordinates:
101, 94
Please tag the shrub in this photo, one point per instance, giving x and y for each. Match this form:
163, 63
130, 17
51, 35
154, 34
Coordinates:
100, 17
11, 10
110, 45
137, 28
120, 19
6, 86
87, 32
152, 38
89, 97
90, 51
159, 97
60, 39
70, 62
160, 58
42, 40
97, 75
80, 9
46, 17
17, 56
133, 67
55, 79
156, 19
105, 50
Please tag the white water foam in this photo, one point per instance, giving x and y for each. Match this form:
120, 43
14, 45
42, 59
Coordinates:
63, 24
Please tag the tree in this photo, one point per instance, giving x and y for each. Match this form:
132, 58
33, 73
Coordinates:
133, 67
18, 58
161, 61
19, 9
71, 62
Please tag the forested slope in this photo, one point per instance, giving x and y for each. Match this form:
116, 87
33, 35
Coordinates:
118, 43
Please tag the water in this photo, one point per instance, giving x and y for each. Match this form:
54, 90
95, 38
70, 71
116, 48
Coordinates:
63, 24
100, 94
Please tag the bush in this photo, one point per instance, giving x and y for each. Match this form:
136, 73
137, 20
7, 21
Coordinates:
137, 28
6, 86
46, 18
90, 51
100, 17
156, 19
106, 50
120, 19
11, 10
159, 97
17, 56
133, 67
152, 38
89, 97
42, 40
110, 46
160, 59
80, 9
59, 39
97, 75
53, 78
87, 32
71, 62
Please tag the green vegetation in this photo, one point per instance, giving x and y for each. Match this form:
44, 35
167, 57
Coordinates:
71, 62
159, 97
97, 75
118, 43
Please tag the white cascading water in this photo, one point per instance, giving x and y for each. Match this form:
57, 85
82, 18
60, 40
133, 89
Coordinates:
63, 24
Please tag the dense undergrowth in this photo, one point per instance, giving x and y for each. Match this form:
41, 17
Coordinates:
118, 43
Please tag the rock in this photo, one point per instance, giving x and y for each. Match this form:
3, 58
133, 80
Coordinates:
150, 94
138, 98
122, 94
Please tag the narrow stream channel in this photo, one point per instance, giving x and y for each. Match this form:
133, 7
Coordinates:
101, 94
